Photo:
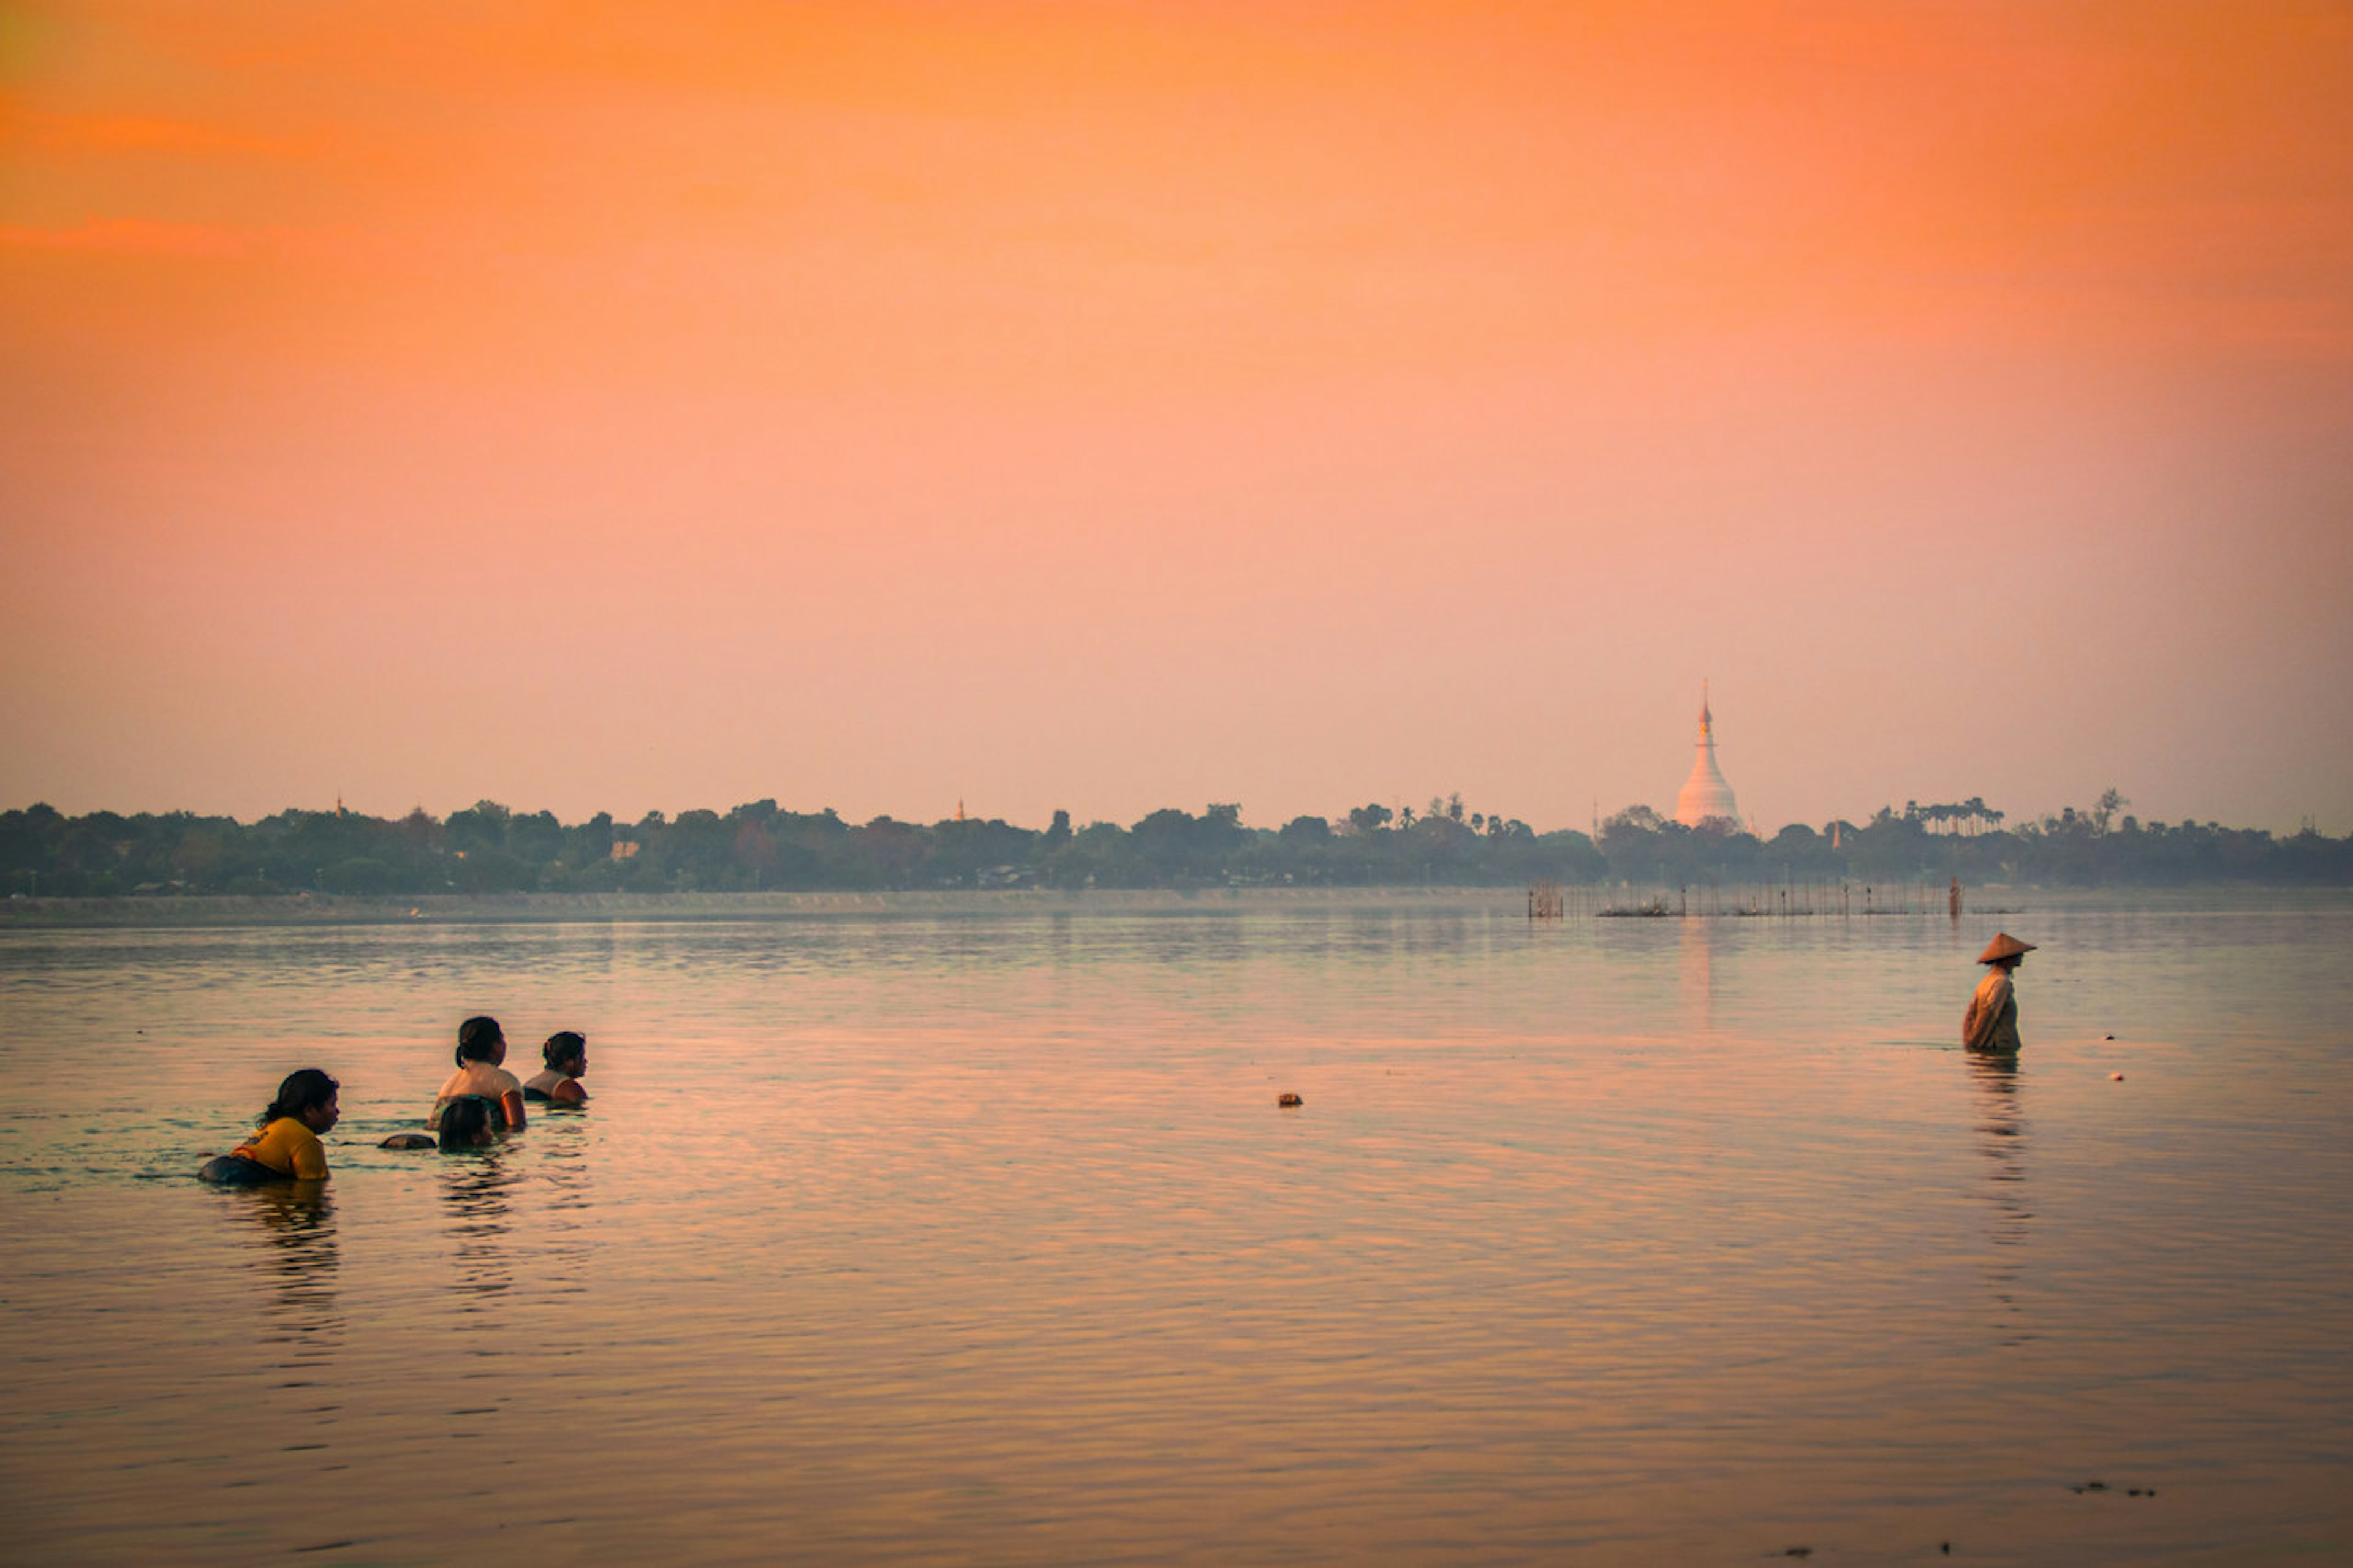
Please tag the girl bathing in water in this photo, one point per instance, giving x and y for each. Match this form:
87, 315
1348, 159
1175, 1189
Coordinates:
481, 1047
465, 1123
479, 1099
285, 1146
566, 1055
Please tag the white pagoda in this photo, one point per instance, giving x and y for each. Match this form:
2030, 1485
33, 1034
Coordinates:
1706, 794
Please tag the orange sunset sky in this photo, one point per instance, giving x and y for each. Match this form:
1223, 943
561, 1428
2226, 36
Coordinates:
1114, 405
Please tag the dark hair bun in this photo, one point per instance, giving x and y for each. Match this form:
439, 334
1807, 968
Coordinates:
476, 1038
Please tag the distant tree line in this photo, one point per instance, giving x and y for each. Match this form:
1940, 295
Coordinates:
2101, 845
490, 848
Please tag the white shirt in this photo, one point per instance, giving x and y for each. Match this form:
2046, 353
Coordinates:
492, 1082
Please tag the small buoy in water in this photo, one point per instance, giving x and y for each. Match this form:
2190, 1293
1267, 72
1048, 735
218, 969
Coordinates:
1287, 1100
2115, 1078
410, 1140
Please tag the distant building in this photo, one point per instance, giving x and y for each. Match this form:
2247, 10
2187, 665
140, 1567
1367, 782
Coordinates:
1706, 794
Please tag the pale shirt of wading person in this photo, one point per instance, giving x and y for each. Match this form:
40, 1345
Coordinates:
482, 1048
1990, 1024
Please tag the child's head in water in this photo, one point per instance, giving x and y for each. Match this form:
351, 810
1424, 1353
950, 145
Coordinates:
565, 1052
465, 1123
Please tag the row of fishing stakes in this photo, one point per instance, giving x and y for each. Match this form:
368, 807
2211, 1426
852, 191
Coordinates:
1550, 901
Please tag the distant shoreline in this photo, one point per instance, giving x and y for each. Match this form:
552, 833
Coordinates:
525, 908
304, 910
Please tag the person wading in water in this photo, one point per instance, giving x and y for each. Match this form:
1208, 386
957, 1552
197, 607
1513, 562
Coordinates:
1991, 1025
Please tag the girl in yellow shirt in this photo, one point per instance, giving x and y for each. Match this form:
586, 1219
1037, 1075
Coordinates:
285, 1146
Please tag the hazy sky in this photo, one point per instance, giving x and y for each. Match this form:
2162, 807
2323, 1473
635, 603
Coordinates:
1114, 405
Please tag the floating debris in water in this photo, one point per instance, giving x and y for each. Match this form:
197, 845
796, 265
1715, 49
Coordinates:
1287, 1100
2115, 1078
2101, 1485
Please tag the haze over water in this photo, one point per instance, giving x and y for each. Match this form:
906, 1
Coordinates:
971, 1232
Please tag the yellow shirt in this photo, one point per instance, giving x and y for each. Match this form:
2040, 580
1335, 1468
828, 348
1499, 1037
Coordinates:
289, 1148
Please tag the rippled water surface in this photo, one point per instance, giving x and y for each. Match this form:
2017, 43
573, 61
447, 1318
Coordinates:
974, 1234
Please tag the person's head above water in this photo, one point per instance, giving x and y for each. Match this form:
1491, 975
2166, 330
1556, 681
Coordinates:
480, 1039
2005, 951
308, 1096
465, 1123
566, 1051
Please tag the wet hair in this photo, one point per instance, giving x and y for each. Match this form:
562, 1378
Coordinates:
564, 1046
303, 1089
476, 1038
465, 1122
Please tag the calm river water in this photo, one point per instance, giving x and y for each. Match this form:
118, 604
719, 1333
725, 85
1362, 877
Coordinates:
974, 1234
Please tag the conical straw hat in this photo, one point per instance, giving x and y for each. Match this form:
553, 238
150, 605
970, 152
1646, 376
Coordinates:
2003, 945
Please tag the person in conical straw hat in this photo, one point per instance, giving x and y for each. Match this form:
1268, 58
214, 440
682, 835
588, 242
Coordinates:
1990, 1024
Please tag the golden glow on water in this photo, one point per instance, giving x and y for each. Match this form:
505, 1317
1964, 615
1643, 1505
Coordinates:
980, 1237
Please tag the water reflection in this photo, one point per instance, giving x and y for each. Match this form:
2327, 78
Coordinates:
565, 1177
476, 1190
2002, 1141
1020, 1264
295, 1222
1695, 976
